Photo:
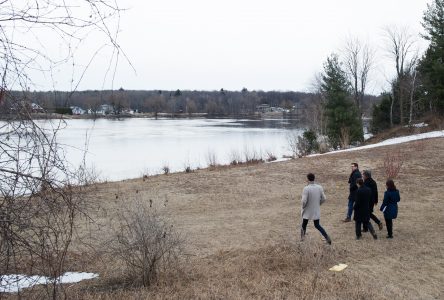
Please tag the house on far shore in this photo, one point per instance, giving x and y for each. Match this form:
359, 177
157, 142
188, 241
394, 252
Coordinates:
105, 109
77, 110
36, 108
128, 111
26, 106
266, 108
263, 108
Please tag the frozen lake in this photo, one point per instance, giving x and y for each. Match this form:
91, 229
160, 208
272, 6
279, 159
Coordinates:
129, 148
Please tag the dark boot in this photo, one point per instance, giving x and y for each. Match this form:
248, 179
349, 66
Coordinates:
328, 239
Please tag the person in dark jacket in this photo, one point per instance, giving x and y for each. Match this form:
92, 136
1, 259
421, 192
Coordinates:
355, 174
362, 209
389, 206
370, 183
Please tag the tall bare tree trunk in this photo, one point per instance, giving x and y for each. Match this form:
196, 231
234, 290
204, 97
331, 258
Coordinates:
401, 102
412, 92
391, 110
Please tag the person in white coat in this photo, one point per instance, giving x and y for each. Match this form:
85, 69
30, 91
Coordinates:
312, 198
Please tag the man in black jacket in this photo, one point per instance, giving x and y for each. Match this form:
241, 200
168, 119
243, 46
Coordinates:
370, 183
355, 175
362, 209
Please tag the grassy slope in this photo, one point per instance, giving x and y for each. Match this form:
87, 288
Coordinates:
242, 223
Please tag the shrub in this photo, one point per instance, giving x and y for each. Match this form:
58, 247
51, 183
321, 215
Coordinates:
271, 156
166, 169
211, 159
235, 158
393, 162
252, 157
307, 143
145, 242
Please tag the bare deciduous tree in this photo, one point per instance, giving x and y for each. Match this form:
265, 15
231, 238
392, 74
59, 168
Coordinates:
358, 62
40, 192
402, 49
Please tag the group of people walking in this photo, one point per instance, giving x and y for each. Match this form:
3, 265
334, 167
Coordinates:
363, 196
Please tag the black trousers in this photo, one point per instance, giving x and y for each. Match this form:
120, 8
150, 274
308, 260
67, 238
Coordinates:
389, 225
374, 218
366, 224
317, 225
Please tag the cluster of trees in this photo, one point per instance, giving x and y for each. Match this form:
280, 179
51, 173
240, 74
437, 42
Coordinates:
220, 102
339, 101
417, 88
213, 103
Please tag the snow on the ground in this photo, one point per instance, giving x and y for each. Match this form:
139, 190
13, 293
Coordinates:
279, 160
14, 283
367, 136
73, 277
418, 125
393, 141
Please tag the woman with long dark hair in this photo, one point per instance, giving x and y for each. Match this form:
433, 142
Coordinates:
390, 206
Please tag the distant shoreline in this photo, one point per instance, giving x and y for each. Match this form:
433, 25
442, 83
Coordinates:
43, 116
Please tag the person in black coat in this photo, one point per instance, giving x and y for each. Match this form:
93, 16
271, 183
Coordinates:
355, 175
389, 206
362, 209
370, 183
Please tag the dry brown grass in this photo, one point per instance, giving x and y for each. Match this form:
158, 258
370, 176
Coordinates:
274, 272
241, 225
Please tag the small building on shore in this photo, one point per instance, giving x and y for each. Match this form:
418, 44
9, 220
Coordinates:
76, 110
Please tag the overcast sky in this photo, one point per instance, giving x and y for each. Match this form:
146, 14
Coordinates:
257, 44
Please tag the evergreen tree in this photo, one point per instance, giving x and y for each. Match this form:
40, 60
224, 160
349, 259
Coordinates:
344, 124
431, 66
381, 114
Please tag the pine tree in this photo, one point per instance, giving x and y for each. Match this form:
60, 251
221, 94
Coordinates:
344, 124
431, 67
381, 119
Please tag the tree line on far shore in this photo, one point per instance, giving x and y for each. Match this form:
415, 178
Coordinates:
213, 103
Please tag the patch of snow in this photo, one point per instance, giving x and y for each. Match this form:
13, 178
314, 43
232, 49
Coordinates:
279, 160
14, 283
393, 141
367, 136
73, 277
419, 125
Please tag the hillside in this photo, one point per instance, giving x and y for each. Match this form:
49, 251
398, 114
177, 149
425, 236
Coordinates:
241, 231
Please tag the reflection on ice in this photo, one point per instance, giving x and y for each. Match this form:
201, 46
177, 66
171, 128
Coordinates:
121, 149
